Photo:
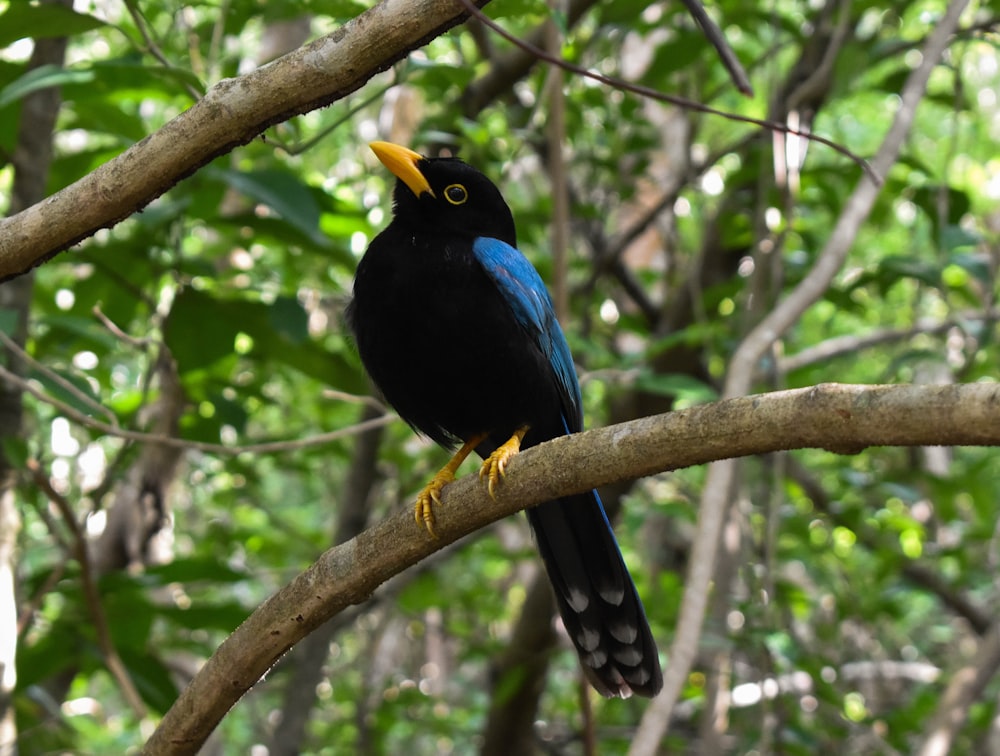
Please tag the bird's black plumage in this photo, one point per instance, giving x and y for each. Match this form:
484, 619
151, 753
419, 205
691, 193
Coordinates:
458, 332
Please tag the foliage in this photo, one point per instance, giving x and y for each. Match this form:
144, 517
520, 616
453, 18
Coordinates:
242, 272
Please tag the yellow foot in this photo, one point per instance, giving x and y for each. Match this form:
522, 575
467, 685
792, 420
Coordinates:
423, 510
494, 465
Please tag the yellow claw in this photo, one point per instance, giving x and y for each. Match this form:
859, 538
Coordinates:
423, 510
494, 465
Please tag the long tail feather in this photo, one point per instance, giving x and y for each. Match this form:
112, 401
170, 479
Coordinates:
596, 596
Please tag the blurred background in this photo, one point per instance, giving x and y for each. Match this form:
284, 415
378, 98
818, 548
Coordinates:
849, 588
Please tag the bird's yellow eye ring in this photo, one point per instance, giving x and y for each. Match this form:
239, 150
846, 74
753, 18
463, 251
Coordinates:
456, 194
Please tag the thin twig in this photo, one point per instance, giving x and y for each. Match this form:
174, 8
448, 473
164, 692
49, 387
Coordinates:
655, 94
153, 49
91, 595
850, 344
267, 447
299, 147
343, 396
117, 332
714, 35
966, 687
15, 349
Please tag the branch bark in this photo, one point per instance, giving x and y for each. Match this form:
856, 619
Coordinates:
841, 418
231, 113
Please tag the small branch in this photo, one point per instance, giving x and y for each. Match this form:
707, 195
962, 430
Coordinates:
837, 417
307, 144
555, 135
714, 35
850, 344
118, 333
267, 447
966, 686
92, 596
15, 349
152, 48
513, 65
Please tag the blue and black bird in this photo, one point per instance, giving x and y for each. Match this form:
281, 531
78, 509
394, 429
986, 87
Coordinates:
445, 281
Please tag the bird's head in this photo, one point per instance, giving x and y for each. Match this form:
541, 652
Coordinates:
445, 195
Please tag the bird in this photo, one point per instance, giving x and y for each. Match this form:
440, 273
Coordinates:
458, 333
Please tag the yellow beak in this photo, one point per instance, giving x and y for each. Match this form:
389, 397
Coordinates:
403, 164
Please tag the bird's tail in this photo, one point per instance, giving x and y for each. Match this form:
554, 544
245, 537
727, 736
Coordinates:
596, 596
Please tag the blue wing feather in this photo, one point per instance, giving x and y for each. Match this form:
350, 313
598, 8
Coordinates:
597, 598
529, 300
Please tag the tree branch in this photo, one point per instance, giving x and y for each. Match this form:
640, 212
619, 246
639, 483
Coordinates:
232, 113
837, 417
851, 344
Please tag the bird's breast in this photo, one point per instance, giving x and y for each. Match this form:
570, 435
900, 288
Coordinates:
439, 340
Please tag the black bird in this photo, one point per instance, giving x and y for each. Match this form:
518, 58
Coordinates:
445, 279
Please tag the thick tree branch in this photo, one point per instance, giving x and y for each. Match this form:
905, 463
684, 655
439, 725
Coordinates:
232, 113
837, 417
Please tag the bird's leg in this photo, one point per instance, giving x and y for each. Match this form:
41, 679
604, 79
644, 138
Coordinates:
423, 510
493, 465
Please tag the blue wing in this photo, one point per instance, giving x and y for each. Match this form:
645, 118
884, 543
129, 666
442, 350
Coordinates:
597, 598
531, 304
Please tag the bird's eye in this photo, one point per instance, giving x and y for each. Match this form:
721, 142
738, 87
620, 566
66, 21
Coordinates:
456, 194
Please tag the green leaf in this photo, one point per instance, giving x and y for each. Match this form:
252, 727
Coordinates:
686, 47
43, 77
289, 320
109, 118
202, 330
421, 594
73, 378
124, 78
895, 268
955, 237
57, 649
197, 332
282, 191
687, 390
191, 570
15, 451
9, 319
933, 199
151, 677
218, 615
22, 20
